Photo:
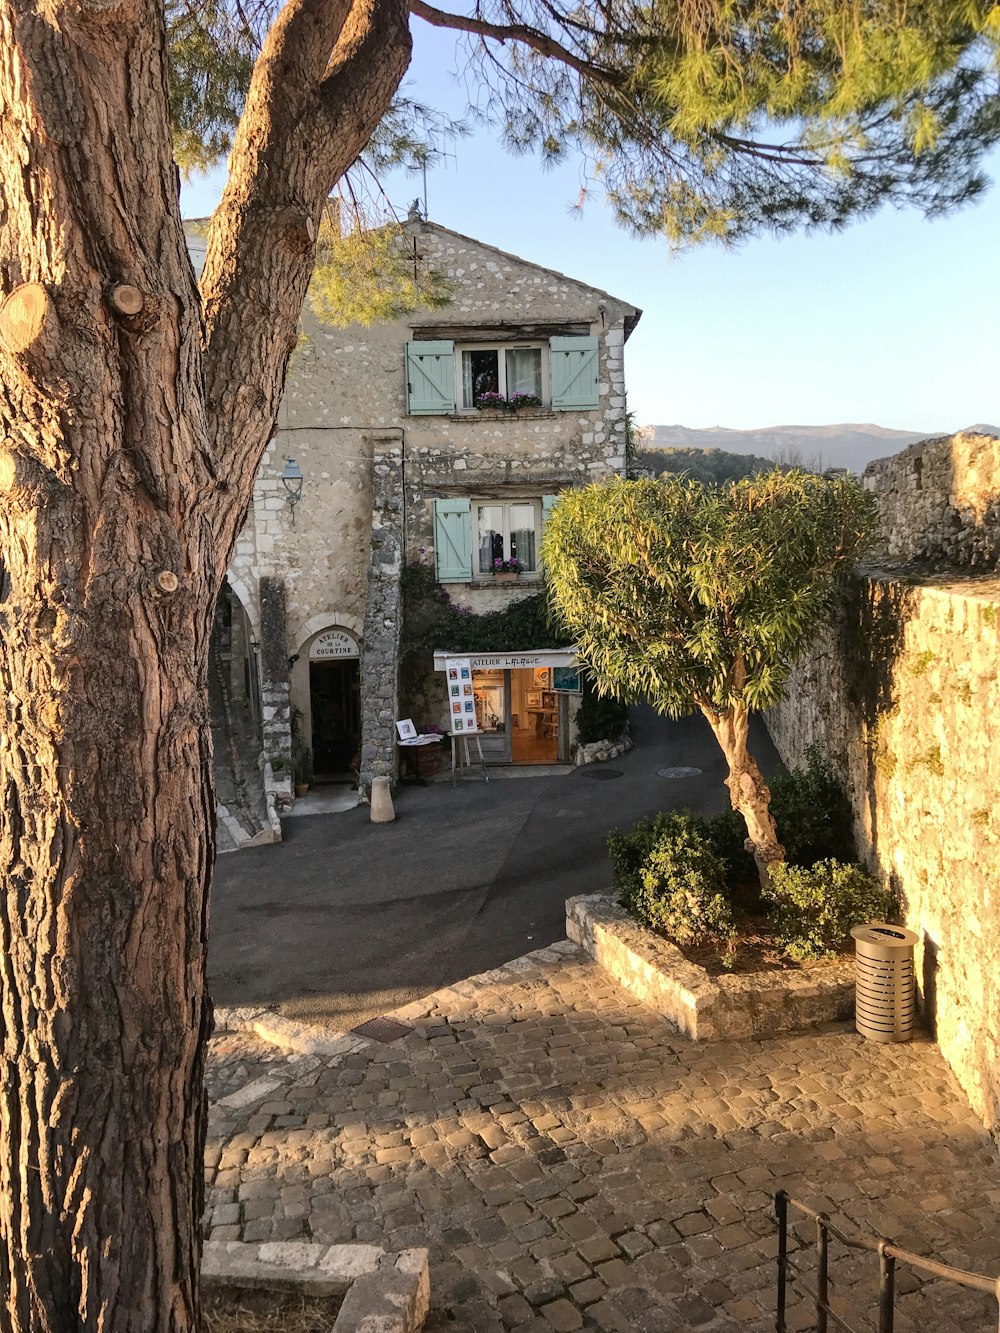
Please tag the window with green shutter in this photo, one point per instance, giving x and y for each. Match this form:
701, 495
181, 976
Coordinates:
430, 378
453, 541
574, 363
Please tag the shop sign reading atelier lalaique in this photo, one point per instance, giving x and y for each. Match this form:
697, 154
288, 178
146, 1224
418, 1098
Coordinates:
333, 643
544, 657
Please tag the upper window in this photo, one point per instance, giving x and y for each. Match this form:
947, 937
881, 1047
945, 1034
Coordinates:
442, 378
507, 532
502, 370
470, 536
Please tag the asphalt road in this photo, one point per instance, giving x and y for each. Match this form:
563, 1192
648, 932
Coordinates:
347, 919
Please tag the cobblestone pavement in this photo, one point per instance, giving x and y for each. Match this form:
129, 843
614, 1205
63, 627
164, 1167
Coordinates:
572, 1163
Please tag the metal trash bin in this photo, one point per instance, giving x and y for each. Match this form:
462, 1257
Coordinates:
885, 995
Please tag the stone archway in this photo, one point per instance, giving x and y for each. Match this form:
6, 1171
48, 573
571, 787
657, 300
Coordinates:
326, 694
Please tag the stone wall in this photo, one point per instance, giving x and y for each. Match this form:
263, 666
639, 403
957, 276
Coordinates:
903, 694
276, 729
383, 614
940, 500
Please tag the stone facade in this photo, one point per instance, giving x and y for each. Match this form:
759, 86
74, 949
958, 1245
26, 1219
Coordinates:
903, 695
372, 471
940, 500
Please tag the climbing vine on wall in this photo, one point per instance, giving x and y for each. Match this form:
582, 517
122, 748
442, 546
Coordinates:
432, 621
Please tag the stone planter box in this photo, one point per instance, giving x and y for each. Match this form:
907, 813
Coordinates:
703, 1007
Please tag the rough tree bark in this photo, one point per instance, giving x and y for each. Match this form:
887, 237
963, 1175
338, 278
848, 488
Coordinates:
131, 436
748, 791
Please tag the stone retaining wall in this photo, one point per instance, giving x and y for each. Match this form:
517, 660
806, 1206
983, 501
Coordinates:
903, 695
703, 1007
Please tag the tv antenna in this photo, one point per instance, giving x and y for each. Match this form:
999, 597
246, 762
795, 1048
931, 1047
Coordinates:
435, 154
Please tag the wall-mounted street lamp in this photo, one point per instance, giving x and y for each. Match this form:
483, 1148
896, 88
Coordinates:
292, 478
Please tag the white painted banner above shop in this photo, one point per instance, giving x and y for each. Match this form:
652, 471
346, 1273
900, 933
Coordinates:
543, 657
333, 643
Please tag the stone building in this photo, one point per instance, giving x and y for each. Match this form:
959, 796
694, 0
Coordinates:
399, 464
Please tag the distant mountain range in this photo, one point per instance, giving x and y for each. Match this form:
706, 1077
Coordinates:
848, 445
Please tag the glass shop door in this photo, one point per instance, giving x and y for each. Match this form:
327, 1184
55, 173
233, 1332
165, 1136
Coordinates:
492, 695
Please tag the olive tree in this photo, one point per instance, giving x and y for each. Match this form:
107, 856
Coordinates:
699, 598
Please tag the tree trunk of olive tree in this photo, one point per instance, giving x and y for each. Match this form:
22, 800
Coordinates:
748, 791
131, 436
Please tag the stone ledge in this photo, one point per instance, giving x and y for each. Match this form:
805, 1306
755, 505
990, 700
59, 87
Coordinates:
277, 1030
703, 1007
384, 1291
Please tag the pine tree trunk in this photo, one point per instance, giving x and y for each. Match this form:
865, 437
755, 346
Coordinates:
121, 493
748, 791
107, 821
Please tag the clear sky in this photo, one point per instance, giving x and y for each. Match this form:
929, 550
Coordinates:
895, 320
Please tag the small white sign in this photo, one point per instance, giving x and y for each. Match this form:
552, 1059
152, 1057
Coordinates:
407, 731
333, 643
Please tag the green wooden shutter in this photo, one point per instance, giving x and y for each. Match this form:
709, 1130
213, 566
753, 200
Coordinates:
548, 504
453, 541
430, 378
574, 373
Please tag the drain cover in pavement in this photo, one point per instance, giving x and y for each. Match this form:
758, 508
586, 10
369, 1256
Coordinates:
677, 772
381, 1029
602, 774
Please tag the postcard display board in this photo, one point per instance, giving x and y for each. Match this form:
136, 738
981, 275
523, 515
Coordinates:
462, 714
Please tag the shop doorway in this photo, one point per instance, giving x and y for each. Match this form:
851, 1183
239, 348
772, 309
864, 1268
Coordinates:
517, 713
534, 716
335, 700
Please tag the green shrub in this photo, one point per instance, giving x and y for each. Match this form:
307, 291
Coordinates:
727, 832
812, 813
669, 878
599, 719
630, 850
815, 907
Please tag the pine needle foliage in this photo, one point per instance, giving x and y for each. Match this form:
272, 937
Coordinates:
696, 119
701, 597
369, 276
716, 119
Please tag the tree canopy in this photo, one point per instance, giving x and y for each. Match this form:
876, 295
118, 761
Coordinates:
697, 120
700, 598
711, 467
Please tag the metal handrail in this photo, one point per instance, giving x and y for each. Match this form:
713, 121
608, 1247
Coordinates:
888, 1254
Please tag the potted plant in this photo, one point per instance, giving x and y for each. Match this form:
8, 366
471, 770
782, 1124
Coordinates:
303, 773
490, 401
517, 400
506, 571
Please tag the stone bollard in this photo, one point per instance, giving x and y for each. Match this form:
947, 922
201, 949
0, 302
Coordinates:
381, 802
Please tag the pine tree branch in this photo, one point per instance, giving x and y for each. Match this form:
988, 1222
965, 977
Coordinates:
533, 38
325, 77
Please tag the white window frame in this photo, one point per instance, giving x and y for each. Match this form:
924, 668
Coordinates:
480, 575
500, 349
